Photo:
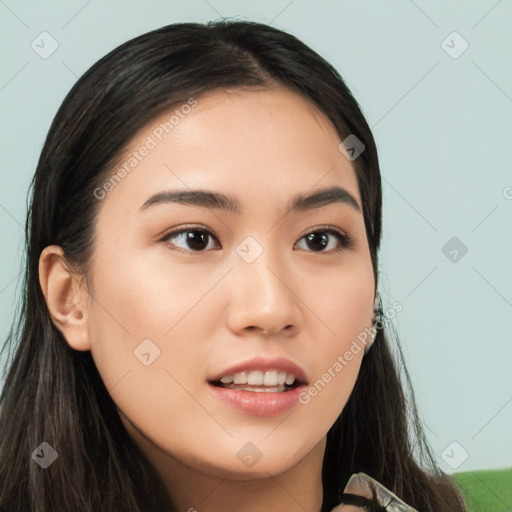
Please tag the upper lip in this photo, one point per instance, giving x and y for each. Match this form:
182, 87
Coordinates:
263, 364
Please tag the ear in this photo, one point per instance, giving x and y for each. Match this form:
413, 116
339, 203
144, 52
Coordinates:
65, 297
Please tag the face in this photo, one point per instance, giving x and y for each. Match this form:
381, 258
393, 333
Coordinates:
200, 310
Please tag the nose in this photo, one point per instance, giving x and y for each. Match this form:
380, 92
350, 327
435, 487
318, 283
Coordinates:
262, 297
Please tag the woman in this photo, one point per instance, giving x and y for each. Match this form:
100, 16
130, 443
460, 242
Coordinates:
201, 328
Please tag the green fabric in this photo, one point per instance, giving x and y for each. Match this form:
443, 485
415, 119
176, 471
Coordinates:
486, 491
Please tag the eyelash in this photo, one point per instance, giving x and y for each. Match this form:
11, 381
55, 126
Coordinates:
344, 240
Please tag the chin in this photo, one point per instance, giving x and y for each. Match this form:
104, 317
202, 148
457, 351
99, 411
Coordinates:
272, 466
246, 461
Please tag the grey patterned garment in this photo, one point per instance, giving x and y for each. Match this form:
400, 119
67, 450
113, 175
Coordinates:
362, 485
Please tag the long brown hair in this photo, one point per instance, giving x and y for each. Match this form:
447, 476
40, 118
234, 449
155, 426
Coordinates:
55, 394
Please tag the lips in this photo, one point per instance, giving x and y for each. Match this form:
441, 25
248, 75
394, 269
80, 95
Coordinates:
260, 387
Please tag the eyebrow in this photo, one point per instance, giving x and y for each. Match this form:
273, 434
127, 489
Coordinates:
208, 199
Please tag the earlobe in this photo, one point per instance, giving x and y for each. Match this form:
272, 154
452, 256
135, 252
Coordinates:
65, 297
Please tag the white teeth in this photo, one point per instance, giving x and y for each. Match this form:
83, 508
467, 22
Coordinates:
290, 379
240, 378
270, 378
255, 378
263, 389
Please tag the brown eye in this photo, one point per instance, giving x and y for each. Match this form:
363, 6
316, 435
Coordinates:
322, 238
191, 239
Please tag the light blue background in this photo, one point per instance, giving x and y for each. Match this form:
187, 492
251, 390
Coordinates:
444, 132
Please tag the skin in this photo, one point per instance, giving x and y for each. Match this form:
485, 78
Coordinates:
207, 310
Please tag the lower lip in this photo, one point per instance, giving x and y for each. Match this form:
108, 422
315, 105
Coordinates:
264, 403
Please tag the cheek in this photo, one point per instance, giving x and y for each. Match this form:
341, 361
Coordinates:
342, 301
144, 296
344, 309
148, 338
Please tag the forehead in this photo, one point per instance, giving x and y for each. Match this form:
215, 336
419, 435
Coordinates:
262, 123
254, 143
